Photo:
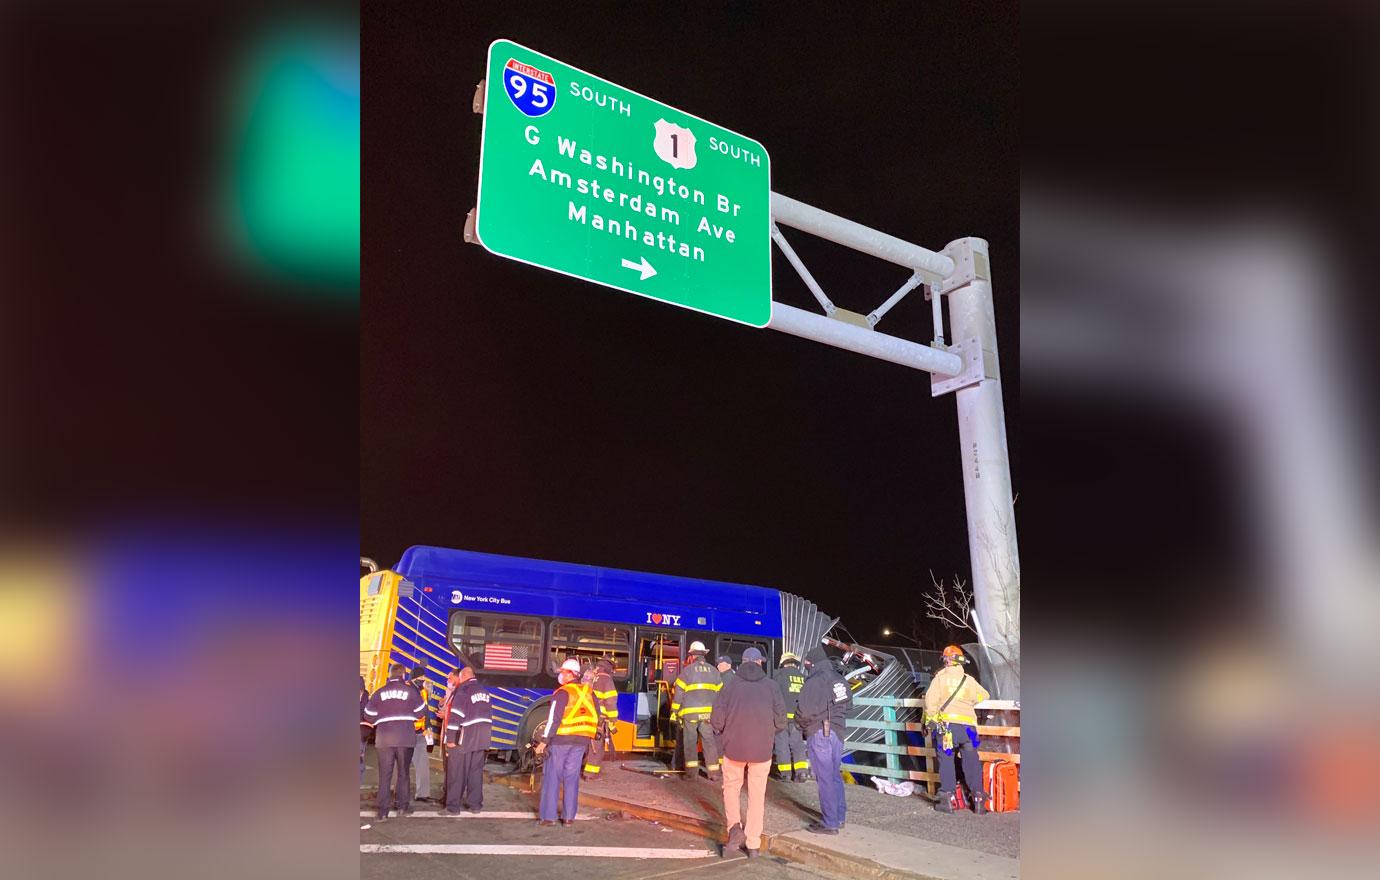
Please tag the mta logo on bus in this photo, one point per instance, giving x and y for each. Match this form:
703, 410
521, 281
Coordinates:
663, 619
531, 90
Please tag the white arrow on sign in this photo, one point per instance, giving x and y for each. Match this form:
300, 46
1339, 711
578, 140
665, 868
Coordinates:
644, 267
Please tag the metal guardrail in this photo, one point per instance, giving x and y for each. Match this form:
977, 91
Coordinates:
895, 748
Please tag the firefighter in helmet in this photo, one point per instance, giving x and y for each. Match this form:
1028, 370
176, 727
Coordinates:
691, 702
792, 762
606, 700
952, 721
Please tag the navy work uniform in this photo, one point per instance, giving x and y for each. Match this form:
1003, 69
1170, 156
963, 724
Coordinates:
789, 747
393, 711
825, 701
691, 703
467, 742
606, 701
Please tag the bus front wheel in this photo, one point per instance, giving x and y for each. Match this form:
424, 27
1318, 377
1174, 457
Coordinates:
533, 726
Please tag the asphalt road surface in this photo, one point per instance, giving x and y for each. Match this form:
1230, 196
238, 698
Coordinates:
505, 843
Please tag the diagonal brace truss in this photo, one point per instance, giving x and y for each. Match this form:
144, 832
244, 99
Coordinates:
831, 328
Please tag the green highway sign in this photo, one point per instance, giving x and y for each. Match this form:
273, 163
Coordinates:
592, 180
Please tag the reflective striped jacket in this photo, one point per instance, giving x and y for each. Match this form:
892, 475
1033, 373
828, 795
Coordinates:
693, 697
946, 683
606, 695
571, 718
790, 679
393, 711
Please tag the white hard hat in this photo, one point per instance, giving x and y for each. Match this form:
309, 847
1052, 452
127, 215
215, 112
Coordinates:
698, 647
571, 665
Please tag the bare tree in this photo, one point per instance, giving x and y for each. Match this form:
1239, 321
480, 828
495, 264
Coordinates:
950, 603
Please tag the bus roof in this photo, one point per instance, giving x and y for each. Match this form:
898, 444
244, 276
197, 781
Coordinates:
538, 586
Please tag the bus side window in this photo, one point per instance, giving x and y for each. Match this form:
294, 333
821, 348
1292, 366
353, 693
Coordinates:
588, 641
498, 643
734, 648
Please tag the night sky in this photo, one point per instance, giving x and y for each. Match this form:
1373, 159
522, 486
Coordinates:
508, 409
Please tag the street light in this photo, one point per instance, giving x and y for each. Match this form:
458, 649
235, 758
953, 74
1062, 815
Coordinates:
888, 632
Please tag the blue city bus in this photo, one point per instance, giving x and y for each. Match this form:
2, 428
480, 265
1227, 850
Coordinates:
516, 620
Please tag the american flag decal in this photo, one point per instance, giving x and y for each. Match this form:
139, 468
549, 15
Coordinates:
511, 657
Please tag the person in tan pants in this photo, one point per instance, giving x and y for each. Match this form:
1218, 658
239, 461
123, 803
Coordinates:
747, 714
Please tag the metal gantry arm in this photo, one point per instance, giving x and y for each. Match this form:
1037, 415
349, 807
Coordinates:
848, 330
808, 325
806, 218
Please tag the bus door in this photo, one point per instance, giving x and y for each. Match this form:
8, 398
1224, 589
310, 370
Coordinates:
658, 665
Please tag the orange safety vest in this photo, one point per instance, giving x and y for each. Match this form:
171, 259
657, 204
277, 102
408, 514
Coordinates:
425, 690
579, 718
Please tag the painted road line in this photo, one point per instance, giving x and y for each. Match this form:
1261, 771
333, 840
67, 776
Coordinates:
499, 849
487, 814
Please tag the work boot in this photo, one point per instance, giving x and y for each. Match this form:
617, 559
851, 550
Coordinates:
715, 776
752, 853
690, 774
944, 804
820, 828
805, 775
980, 803
736, 838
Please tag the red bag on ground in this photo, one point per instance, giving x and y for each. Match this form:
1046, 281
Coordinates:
957, 800
1003, 784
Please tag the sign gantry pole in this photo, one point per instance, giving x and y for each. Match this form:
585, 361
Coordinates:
992, 547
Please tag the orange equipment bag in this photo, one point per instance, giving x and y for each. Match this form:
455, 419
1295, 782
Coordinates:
1003, 786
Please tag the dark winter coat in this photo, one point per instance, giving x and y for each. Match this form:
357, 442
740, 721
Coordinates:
824, 696
748, 713
790, 678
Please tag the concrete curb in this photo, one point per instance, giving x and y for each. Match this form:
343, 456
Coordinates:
712, 830
838, 863
781, 845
